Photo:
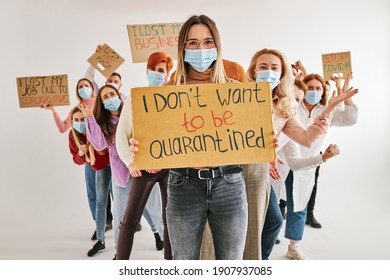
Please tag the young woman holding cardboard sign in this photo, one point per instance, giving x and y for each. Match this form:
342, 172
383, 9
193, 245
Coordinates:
158, 67
217, 193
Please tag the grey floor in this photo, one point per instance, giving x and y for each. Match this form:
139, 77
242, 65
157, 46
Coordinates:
73, 244
354, 216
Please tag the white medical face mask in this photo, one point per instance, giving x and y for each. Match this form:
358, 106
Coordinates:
200, 59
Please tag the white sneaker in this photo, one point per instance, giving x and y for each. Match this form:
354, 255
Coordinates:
295, 253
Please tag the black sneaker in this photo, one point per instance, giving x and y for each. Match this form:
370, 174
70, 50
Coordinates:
108, 226
159, 242
139, 227
96, 249
93, 238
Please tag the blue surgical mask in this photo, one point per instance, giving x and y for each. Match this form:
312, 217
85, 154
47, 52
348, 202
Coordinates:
200, 59
155, 78
79, 126
268, 76
112, 104
114, 85
295, 103
313, 97
85, 92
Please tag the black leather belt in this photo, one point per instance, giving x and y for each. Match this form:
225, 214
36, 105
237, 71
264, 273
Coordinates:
209, 173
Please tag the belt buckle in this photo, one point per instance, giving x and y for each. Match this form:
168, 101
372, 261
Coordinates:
206, 169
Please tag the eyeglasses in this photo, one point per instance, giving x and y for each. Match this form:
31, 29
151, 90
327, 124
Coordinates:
207, 43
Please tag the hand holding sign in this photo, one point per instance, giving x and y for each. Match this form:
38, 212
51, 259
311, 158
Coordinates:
47, 106
338, 80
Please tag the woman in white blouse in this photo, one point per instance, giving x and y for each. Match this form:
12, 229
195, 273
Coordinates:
299, 184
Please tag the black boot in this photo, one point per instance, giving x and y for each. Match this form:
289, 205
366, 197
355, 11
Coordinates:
93, 238
310, 220
282, 206
159, 242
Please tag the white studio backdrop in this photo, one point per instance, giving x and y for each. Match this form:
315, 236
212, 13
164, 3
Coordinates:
42, 189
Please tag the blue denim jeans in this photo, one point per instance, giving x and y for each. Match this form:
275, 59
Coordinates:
103, 182
272, 225
222, 201
152, 211
90, 181
120, 196
295, 221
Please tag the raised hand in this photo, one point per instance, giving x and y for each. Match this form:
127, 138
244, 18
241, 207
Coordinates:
337, 99
86, 112
330, 152
338, 80
99, 48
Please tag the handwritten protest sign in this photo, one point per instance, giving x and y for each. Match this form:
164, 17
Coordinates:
336, 63
146, 39
106, 61
33, 91
202, 125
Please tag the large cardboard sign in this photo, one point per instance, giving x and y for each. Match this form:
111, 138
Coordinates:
336, 63
202, 125
106, 60
146, 39
33, 91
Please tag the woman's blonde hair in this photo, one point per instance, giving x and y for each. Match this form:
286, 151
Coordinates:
283, 93
218, 75
90, 154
